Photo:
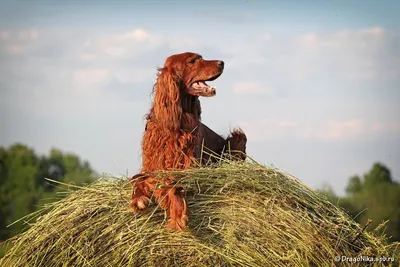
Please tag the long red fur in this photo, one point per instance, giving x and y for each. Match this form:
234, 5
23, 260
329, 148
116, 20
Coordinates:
174, 135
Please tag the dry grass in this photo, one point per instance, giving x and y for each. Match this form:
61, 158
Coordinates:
242, 214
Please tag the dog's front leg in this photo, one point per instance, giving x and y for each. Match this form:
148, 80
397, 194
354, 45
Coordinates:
142, 190
172, 198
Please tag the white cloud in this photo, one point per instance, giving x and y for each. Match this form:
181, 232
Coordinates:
375, 31
21, 35
17, 42
54, 75
15, 49
380, 127
252, 88
121, 44
4, 35
266, 37
351, 54
268, 128
132, 43
278, 129
308, 39
135, 35
28, 35
71, 62
350, 38
355, 58
337, 130
88, 77
134, 75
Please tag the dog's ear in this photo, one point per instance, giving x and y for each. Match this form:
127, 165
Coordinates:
167, 108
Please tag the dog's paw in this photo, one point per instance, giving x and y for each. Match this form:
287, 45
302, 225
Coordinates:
238, 136
178, 225
139, 203
236, 144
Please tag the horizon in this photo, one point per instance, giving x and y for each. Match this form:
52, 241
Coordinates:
314, 86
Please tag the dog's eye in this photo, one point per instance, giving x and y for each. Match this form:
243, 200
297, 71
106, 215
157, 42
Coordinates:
192, 61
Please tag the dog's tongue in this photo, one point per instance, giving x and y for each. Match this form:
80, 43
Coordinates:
201, 85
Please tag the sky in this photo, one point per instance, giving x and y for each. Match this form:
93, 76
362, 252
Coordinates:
314, 84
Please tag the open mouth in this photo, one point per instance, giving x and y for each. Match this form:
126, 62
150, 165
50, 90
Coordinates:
203, 89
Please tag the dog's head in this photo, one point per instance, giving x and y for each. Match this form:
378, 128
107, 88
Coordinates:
183, 75
192, 72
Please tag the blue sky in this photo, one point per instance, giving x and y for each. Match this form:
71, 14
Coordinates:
315, 85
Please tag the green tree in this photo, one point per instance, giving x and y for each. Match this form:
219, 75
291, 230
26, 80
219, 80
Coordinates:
3, 203
23, 187
19, 192
354, 186
374, 196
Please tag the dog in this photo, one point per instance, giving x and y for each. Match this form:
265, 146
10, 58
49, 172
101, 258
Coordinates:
174, 136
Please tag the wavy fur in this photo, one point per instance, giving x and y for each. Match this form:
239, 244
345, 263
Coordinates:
174, 134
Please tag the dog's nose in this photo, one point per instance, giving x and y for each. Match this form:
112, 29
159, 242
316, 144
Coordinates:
220, 63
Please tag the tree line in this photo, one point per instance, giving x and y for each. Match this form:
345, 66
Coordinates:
23, 187
374, 196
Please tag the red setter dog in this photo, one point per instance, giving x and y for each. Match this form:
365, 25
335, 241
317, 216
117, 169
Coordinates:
174, 136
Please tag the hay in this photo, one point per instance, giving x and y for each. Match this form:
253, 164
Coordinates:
242, 214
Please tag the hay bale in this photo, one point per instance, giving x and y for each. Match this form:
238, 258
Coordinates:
242, 214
